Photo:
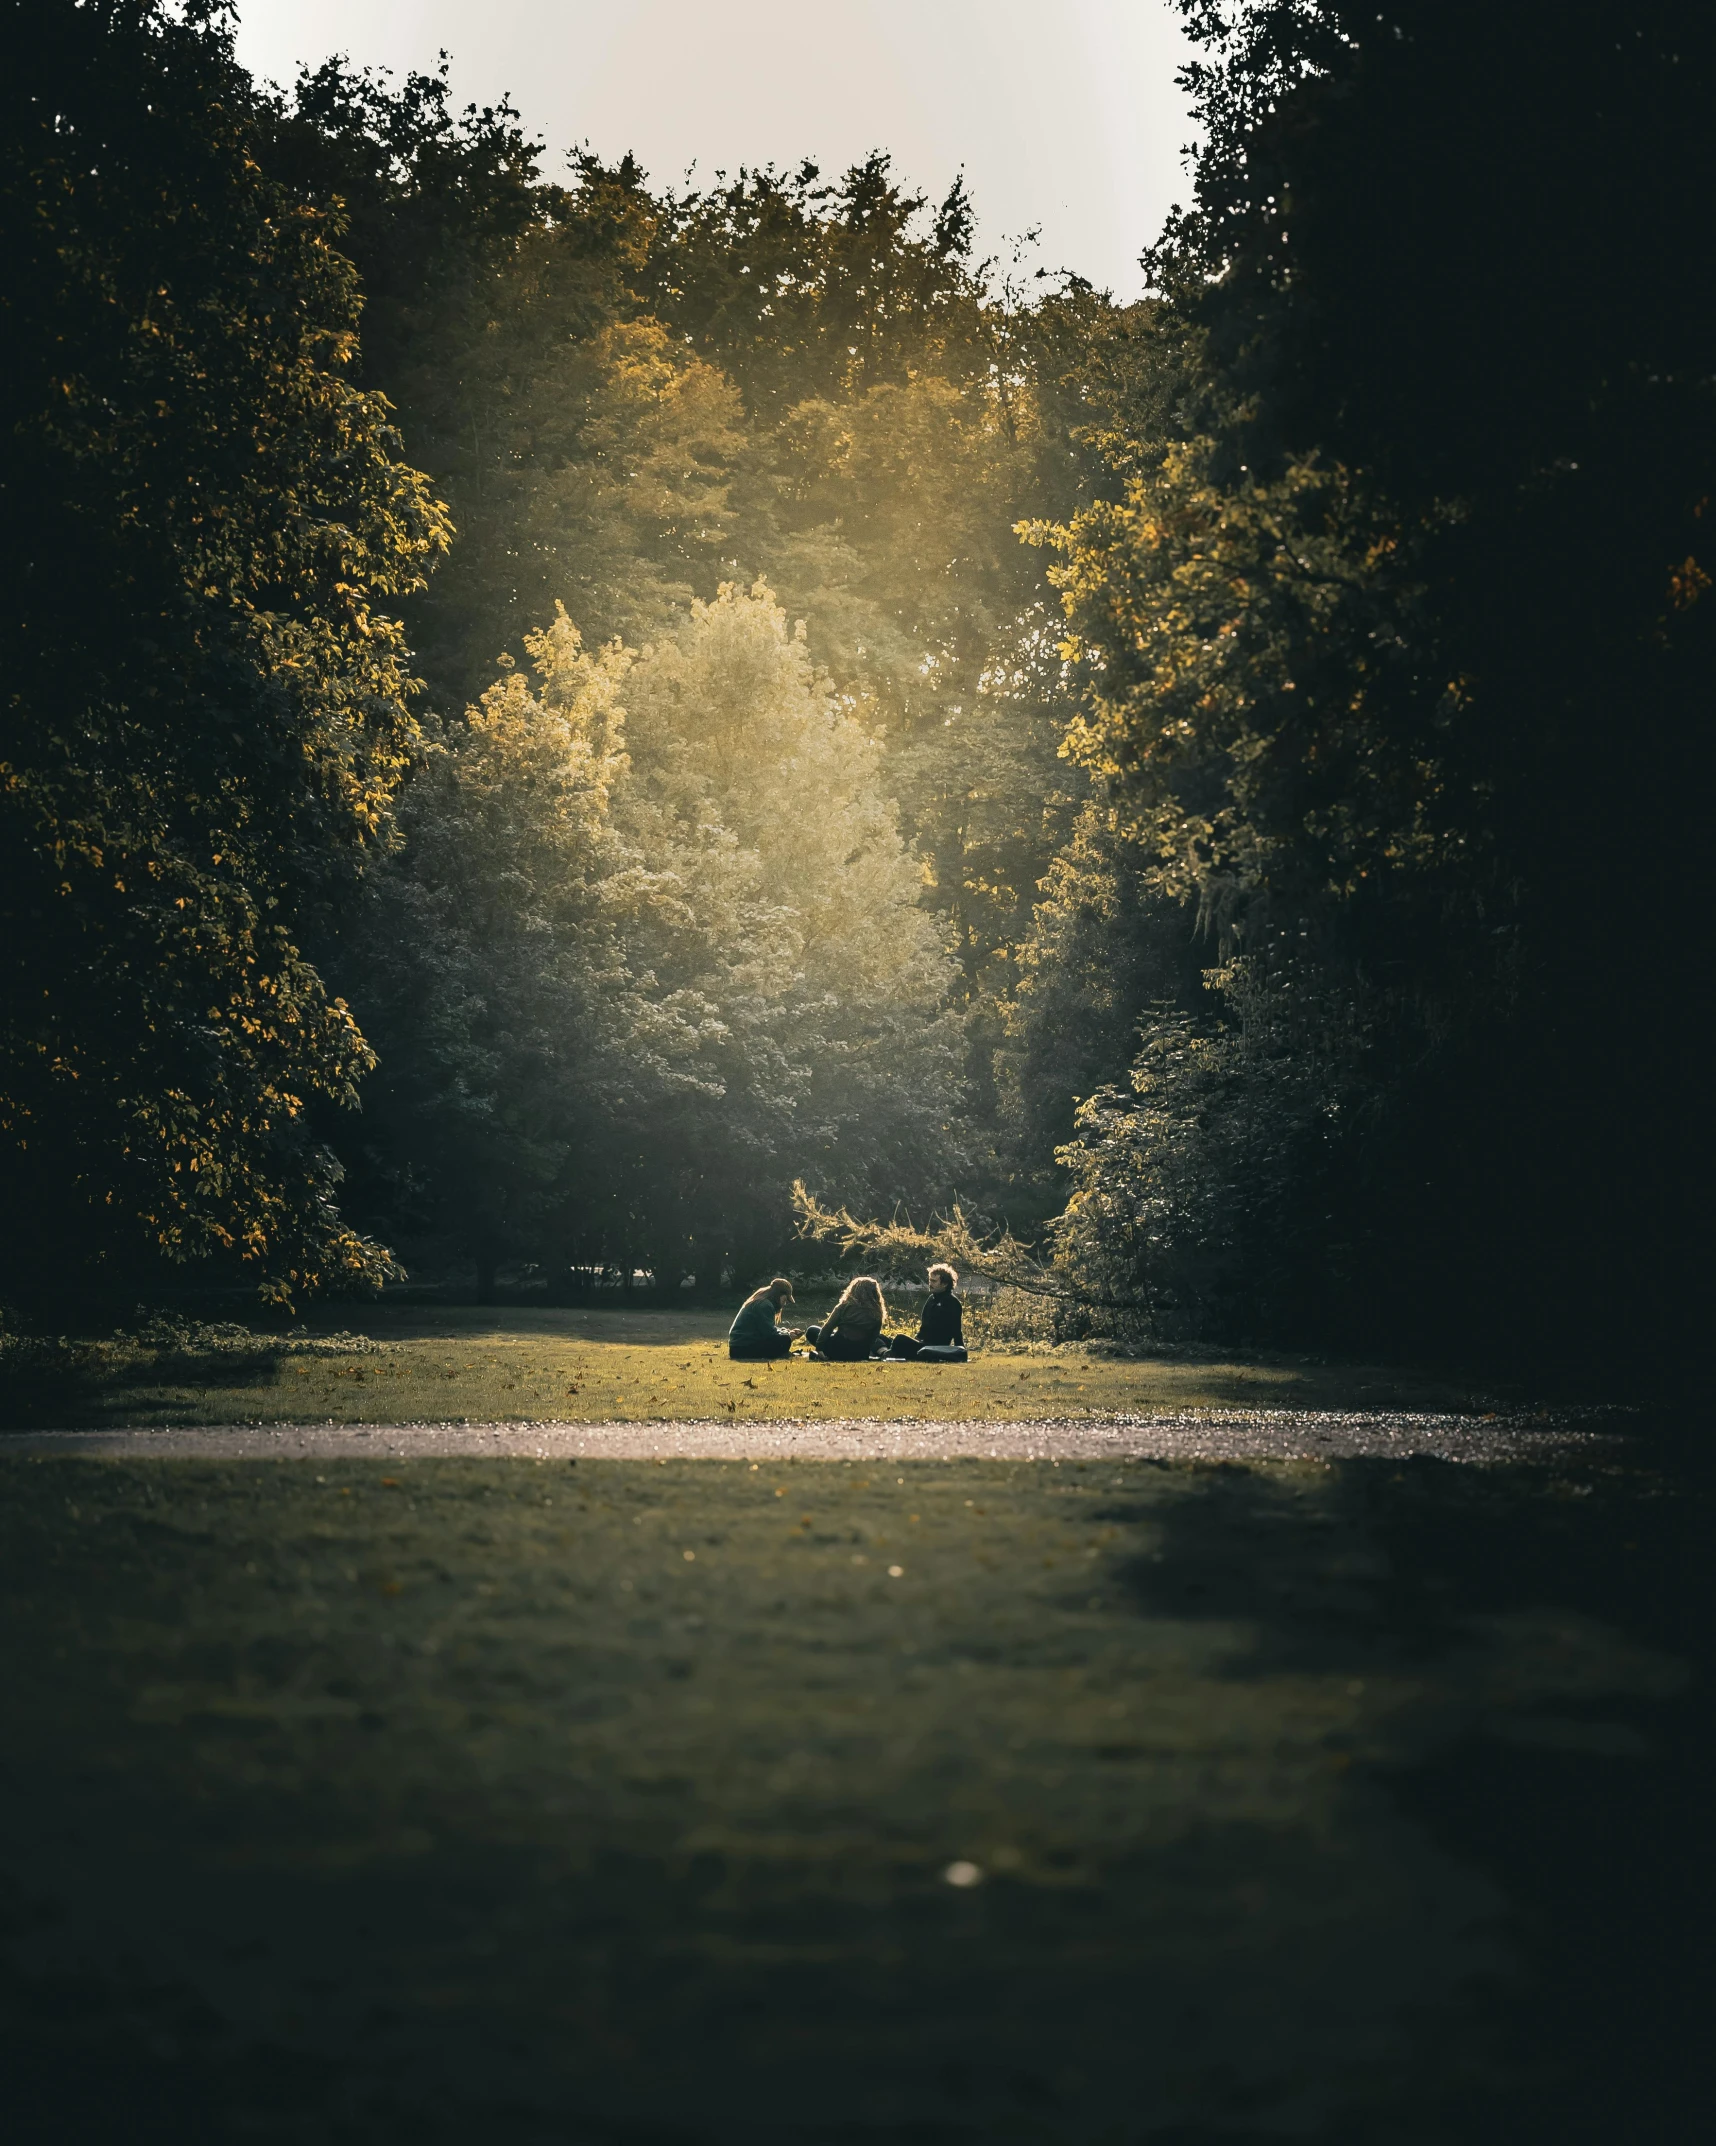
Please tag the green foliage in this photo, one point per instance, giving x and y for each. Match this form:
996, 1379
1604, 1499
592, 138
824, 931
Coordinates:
1380, 538
652, 947
205, 710
1105, 952
1189, 1203
630, 396
1254, 643
1396, 653
804, 286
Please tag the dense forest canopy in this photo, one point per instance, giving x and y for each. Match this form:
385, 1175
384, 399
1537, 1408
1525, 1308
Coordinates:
539, 713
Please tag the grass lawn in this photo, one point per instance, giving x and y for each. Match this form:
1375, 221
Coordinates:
421, 1364
630, 1804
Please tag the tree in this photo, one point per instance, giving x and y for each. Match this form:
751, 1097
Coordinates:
629, 396
1397, 639
1105, 955
490, 959
652, 950
206, 707
801, 286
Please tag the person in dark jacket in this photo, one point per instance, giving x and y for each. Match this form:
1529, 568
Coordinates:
756, 1334
941, 1325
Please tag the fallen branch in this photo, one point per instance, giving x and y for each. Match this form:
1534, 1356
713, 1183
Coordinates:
1001, 1259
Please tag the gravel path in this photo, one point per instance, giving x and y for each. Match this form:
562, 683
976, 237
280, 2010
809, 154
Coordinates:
1200, 1434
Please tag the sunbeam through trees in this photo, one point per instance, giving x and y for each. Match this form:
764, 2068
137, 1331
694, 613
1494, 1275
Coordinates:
540, 714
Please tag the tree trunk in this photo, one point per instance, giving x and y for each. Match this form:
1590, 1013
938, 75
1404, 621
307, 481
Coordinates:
566, 1284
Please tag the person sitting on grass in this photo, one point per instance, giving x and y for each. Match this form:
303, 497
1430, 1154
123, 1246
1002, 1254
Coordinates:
756, 1335
853, 1328
941, 1325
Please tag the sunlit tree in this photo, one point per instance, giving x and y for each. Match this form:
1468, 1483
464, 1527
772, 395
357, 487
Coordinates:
652, 950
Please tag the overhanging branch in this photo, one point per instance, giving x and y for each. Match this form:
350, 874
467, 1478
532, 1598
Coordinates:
1001, 1259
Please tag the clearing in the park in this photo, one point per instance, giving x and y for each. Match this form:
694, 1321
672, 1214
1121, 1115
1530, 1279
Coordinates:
631, 711
824, 1795
520, 1364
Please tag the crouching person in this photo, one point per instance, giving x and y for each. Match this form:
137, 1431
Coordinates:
757, 1334
941, 1324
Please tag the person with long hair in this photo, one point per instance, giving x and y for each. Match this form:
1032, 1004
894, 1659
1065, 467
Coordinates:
757, 1335
854, 1327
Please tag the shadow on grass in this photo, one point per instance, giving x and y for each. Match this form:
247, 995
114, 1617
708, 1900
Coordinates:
1424, 1756
1572, 1771
58, 1384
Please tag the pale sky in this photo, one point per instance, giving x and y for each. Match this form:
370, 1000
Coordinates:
1064, 113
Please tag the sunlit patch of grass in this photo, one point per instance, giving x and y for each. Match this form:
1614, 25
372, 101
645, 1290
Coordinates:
572, 1366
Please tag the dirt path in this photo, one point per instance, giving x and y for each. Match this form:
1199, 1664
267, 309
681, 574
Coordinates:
1264, 1434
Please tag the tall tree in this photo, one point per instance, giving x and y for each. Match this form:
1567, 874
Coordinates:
206, 700
651, 951
1398, 633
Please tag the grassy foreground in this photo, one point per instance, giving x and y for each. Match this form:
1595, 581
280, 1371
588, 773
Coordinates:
410, 1365
630, 1804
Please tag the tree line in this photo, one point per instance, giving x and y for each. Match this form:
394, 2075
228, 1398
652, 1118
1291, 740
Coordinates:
540, 712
